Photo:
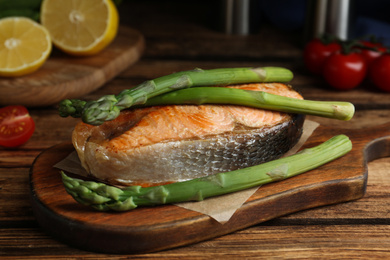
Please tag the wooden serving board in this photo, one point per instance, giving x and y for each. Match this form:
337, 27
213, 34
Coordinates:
64, 76
156, 228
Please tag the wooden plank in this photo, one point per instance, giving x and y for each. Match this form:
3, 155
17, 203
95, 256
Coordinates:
63, 76
14, 195
338, 181
373, 208
343, 235
18, 158
259, 242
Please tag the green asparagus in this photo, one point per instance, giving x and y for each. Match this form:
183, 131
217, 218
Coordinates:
105, 197
218, 95
108, 107
257, 99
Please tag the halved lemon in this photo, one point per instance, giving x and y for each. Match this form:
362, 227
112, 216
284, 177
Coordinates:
24, 46
80, 27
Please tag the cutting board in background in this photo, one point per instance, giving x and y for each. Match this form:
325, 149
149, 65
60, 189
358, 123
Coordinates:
150, 229
64, 76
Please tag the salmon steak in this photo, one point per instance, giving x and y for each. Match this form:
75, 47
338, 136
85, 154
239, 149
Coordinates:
164, 144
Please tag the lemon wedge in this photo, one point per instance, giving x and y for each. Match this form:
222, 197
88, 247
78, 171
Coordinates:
80, 27
24, 46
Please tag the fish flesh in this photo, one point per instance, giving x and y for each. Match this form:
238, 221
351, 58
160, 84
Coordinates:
164, 144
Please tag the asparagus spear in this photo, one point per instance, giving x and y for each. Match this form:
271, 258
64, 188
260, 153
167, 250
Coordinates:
257, 99
108, 107
104, 197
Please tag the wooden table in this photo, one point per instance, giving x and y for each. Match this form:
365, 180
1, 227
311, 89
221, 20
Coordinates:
179, 40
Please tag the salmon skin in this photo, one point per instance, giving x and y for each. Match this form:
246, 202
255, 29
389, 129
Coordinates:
165, 144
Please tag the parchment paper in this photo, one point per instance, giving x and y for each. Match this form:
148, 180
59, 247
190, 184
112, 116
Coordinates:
220, 208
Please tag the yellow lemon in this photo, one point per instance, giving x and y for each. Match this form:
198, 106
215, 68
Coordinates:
24, 46
80, 27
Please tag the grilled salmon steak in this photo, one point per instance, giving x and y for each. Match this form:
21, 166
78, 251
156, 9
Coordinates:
165, 144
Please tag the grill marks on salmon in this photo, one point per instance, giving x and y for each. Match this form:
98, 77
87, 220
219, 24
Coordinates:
180, 142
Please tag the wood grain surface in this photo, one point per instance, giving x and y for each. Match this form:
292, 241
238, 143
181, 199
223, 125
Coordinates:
63, 76
156, 228
178, 38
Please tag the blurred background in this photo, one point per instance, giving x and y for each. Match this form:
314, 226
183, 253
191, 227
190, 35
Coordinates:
243, 17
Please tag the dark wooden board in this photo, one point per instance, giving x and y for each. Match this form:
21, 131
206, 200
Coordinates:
151, 229
64, 76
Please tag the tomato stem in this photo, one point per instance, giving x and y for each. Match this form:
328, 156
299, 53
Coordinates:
328, 39
347, 47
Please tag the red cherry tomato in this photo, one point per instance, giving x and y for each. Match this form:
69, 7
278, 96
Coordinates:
16, 126
379, 72
370, 55
316, 52
345, 71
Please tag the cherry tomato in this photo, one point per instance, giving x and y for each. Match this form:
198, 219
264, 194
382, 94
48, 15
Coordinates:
370, 55
16, 126
316, 52
379, 72
345, 71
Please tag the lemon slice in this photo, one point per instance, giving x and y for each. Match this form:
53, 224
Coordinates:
24, 46
80, 27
